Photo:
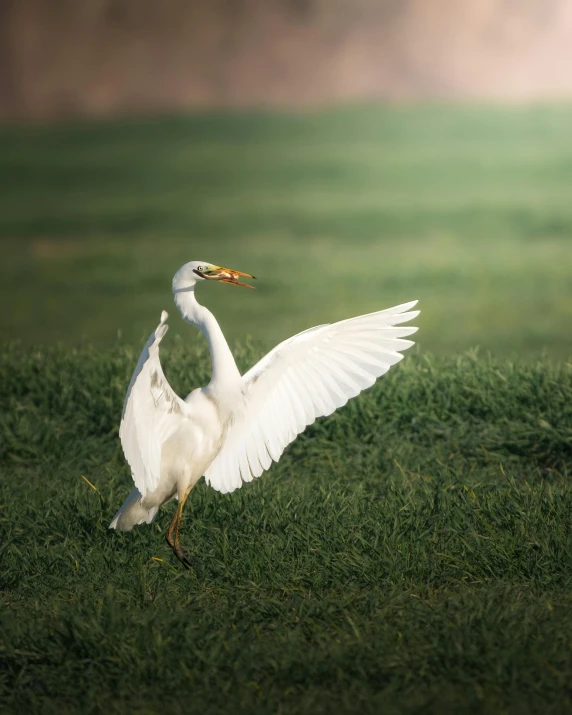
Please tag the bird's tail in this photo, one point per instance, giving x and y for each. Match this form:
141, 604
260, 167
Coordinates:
132, 512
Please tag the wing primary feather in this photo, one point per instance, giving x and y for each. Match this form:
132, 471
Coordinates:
287, 412
352, 368
343, 377
335, 388
366, 360
302, 394
296, 401
403, 317
314, 391
321, 389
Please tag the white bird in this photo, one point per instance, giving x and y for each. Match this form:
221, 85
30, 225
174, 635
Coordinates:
234, 428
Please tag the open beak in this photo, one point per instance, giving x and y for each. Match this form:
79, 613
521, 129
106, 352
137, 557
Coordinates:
227, 275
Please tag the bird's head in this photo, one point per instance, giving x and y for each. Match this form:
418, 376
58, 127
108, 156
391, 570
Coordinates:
191, 273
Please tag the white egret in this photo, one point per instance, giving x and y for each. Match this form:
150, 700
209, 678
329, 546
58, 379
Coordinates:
234, 428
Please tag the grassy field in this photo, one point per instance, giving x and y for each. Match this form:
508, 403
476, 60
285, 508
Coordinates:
410, 554
337, 213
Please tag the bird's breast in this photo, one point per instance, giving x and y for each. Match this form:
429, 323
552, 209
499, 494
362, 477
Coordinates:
205, 424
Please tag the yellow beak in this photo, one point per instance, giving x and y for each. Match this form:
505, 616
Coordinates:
227, 275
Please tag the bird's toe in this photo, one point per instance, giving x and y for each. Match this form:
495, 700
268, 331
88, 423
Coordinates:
183, 558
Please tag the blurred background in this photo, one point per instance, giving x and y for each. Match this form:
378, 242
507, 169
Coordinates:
353, 154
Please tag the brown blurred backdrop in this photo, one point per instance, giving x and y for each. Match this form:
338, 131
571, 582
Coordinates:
68, 57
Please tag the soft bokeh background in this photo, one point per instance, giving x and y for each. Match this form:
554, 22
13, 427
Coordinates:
352, 155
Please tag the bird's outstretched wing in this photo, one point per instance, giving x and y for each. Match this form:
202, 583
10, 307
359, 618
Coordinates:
151, 414
305, 377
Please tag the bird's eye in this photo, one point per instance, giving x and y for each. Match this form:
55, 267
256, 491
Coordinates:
201, 268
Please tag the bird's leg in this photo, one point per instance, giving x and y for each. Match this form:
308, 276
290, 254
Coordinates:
180, 554
171, 529
174, 530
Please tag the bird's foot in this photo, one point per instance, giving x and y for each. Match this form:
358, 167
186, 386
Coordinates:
179, 553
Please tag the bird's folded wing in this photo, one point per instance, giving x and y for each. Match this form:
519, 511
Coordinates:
305, 377
151, 414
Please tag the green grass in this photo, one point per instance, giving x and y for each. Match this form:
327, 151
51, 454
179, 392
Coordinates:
338, 213
412, 553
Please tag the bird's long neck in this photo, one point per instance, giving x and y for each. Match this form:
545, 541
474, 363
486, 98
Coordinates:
225, 374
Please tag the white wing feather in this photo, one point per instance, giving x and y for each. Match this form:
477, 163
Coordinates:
151, 413
305, 377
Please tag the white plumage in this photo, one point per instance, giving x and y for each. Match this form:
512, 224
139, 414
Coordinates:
150, 414
305, 377
232, 430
